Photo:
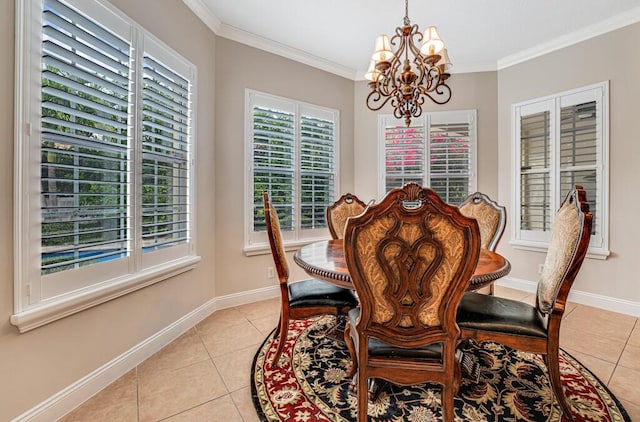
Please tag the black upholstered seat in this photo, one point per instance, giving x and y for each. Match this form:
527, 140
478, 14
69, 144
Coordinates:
490, 313
379, 348
312, 292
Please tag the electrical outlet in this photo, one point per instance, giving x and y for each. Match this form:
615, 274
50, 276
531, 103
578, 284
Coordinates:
540, 268
270, 272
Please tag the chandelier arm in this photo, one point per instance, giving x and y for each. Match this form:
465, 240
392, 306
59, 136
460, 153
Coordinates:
386, 86
414, 36
429, 80
399, 38
374, 98
423, 76
442, 90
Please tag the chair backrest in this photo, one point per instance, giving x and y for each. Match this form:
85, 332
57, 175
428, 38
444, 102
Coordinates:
570, 235
348, 205
492, 218
411, 258
275, 239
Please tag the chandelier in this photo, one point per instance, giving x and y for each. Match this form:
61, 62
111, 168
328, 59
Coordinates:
408, 75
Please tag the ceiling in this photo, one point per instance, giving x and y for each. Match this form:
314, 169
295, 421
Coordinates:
480, 35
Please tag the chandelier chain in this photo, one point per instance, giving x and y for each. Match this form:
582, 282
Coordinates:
406, 22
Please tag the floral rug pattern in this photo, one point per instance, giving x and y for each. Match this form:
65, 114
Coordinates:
513, 386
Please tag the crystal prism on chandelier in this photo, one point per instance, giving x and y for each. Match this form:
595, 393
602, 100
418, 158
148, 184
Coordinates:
407, 76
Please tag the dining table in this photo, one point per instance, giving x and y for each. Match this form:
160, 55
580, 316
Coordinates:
325, 260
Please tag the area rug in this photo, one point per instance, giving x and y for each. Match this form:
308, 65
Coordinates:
311, 385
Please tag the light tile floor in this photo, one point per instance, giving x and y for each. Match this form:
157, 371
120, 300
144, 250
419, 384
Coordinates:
204, 374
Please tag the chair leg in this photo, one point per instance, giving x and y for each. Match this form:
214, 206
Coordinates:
447, 402
553, 366
492, 289
363, 396
283, 328
277, 332
352, 350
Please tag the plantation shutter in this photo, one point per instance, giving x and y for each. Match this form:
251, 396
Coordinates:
84, 144
535, 201
450, 160
404, 153
165, 156
579, 143
273, 164
317, 169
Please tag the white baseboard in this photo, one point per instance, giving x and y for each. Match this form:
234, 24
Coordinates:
577, 296
242, 298
77, 393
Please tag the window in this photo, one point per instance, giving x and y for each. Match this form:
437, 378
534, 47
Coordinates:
107, 116
560, 141
438, 151
291, 152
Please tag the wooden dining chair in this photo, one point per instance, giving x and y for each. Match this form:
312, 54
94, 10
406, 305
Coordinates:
536, 329
411, 258
492, 219
348, 205
301, 299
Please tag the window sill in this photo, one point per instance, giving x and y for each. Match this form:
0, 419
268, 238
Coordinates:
592, 253
63, 306
265, 249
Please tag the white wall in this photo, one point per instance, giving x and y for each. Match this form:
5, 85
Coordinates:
613, 56
38, 364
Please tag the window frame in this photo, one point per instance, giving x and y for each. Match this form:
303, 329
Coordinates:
35, 304
539, 240
256, 243
453, 116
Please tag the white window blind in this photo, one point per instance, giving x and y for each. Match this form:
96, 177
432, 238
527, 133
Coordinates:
561, 141
273, 165
437, 151
317, 169
108, 115
450, 160
535, 206
85, 147
291, 153
578, 160
404, 155
165, 155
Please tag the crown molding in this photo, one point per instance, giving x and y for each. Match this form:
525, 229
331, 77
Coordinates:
616, 22
202, 11
226, 31
274, 47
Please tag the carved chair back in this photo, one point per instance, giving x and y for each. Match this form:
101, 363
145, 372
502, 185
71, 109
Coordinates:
491, 217
275, 239
411, 258
570, 235
348, 205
